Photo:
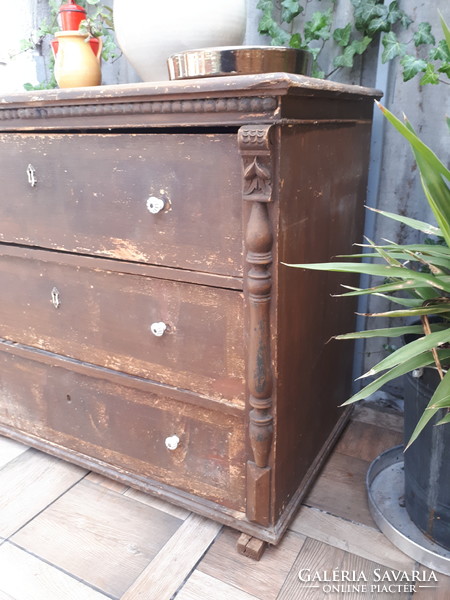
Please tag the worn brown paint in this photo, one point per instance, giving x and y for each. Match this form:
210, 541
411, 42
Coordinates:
254, 171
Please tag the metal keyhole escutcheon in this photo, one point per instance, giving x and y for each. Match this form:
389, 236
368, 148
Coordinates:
55, 298
31, 174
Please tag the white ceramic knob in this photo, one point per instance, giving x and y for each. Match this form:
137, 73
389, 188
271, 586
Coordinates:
158, 329
172, 442
155, 205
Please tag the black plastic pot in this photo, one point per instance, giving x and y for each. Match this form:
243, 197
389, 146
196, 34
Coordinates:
427, 462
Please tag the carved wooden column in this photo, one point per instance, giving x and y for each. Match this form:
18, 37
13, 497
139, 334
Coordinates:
255, 149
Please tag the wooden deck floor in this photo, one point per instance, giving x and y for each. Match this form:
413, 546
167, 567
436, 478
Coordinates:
67, 534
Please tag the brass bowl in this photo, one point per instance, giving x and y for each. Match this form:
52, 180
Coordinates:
238, 60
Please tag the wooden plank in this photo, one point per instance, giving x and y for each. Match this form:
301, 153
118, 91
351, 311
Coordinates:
429, 590
366, 441
372, 571
262, 579
314, 556
380, 418
107, 483
167, 507
91, 530
9, 450
353, 537
25, 577
341, 489
200, 586
29, 484
167, 571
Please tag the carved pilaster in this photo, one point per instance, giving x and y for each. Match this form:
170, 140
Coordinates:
254, 145
257, 187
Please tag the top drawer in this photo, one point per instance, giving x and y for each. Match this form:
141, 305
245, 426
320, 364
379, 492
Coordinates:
89, 193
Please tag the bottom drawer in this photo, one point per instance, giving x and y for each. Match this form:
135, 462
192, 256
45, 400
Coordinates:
127, 428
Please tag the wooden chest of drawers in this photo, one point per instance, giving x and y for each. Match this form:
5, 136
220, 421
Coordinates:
149, 330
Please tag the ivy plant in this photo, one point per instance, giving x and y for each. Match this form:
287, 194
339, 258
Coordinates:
283, 21
98, 23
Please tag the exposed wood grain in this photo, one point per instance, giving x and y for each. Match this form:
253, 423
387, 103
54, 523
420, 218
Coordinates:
167, 571
25, 577
341, 489
380, 418
167, 507
372, 571
203, 587
9, 449
250, 546
429, 590
353, 537
28, 484
367, 441
314, 555
126, 428
202, 349
129, 168
262, 579
90, 530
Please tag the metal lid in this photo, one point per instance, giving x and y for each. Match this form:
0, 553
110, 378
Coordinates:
238, 60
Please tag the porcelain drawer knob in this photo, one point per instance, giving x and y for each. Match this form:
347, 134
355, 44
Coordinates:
155, 205
172, 442
158, 329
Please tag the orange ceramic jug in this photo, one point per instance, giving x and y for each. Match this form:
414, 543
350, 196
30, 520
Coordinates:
76, 65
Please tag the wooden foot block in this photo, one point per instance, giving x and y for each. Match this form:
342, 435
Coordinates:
250, 546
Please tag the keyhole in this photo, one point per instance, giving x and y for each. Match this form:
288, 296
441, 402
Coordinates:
31, 174
55, 298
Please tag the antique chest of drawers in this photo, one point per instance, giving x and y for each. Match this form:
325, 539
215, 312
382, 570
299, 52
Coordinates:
149, 328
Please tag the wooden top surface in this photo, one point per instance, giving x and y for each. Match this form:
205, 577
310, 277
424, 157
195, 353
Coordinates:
214, 102
266, 84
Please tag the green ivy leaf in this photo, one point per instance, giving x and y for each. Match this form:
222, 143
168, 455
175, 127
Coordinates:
318, 28
345, 59
26, 45
440, 52
290, 9
394, 13
361, 45
423, 35
411, 66
296, 41
378, 25
342, 35
365, 11
314, 51
430, 75
445, 68
316, 72
405, 21
265, 24
392, 47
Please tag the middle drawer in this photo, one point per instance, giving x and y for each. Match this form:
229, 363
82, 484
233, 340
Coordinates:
184, 335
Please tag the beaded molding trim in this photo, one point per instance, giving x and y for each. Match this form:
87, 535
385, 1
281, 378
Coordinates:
198, 106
